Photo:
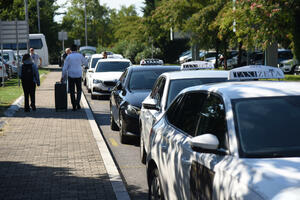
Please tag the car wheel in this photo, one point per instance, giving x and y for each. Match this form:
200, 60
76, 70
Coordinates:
113, 124
293, 69
155, 191
123, 138
93, 96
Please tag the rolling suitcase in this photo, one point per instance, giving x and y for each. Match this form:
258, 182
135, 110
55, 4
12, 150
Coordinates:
61, 98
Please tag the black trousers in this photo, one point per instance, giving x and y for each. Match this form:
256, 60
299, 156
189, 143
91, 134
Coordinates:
72, 83
29, 90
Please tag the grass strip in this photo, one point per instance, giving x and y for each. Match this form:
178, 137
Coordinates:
11, 91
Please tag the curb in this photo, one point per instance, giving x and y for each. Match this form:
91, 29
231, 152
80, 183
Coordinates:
111, 168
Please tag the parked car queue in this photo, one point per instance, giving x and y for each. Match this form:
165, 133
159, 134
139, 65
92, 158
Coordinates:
209, 141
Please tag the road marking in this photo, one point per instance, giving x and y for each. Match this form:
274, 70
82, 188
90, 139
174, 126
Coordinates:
113, 142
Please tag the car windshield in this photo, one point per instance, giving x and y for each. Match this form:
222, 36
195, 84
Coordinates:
177, 85
112, 66
268, 127
94, 62
142, 80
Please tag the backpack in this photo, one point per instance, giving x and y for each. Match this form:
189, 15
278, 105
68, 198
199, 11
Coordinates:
27, 72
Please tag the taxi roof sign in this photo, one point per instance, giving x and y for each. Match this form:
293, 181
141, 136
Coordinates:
151, 61
254, 72
197, 65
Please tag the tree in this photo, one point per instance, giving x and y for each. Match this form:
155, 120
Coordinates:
11, 10
97, 23
261, 23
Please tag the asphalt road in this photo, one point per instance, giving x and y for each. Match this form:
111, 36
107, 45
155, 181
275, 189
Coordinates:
127, 157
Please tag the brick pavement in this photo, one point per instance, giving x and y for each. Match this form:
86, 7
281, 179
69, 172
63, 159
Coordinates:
51, 155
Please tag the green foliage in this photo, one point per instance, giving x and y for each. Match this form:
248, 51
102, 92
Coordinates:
12, 10
147, 53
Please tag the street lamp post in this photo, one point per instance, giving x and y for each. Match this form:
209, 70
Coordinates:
38, 14
26, 19
85, 24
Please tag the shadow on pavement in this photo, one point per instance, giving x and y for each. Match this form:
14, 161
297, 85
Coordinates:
26, 181
52, 113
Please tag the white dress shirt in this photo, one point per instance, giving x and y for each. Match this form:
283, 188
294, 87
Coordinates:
72, 65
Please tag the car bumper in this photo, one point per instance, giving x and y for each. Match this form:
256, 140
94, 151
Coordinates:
99, 89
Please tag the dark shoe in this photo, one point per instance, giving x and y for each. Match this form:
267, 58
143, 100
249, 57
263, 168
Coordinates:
27, 110
33, 108
78, 107
74, 109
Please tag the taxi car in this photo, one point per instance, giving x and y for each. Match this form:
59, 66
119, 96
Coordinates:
233, 140
106, 74
126, 98
91, 69
165, 89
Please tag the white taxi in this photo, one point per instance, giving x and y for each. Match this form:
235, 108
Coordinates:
165, 89
106, 74
91, 69
233, 140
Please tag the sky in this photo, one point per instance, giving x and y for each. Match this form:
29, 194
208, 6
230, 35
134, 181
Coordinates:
110, 3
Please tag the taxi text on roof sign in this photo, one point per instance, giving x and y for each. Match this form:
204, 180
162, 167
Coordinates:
151, 62
197, 65
255, 72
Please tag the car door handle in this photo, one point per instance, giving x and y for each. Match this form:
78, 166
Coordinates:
185, 161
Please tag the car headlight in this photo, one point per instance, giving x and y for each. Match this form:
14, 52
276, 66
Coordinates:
96, 81
133, 110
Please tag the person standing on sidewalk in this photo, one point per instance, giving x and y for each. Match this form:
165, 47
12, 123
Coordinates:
30, 77
72, 68
35, 58
64, 56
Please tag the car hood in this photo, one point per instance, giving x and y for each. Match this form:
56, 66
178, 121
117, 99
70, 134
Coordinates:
107, 76
272, 177
136, 97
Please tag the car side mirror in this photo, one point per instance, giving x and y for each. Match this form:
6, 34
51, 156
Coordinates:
119, 85
91, 70
205, 142
150, 104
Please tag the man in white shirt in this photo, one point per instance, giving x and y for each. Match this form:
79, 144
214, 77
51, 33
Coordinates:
72, 68
35, 58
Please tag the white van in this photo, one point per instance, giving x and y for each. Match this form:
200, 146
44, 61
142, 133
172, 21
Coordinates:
36, 41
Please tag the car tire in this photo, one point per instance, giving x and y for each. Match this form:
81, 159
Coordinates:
93, 96
113, 124
155, 189
142, 151
123, 137
293, 69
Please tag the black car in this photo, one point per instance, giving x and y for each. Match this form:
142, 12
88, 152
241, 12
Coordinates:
126, 97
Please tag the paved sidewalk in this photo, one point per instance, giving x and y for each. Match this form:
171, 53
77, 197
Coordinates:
51, 155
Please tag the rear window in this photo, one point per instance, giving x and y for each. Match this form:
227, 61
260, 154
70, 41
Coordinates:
177, 85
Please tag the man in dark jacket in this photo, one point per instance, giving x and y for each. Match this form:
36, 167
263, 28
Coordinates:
30, 77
